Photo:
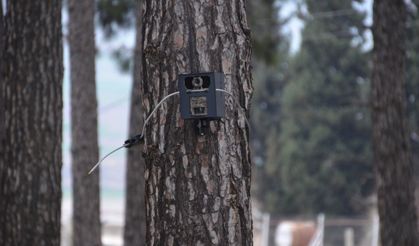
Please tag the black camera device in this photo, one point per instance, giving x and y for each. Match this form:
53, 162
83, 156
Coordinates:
200, 95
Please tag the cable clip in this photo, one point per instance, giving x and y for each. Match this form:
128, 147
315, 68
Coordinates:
133, 141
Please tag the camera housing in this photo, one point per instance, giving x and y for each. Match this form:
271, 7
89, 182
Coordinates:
199, 98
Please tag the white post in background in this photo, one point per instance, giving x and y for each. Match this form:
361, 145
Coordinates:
320, 220
265, 229
375, 229
317, 239
349, 237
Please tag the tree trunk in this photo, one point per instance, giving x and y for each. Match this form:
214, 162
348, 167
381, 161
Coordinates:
31, 114
394, 170
2, 34
197, 187
134, 230
2, 75
84, 136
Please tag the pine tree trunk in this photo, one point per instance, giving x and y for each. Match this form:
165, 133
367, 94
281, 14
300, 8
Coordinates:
197, 187
2, 75
2, 34
394, 170
84, 136
134, 230
31, 128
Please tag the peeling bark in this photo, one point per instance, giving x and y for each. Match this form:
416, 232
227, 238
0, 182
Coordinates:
197, 187
135, 224
31, 123
84, 136
394, 169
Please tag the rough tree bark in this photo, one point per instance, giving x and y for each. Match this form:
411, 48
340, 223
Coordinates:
134, 230
84, 136
197, 187
394, 170
31, 115
2, 75
2, 34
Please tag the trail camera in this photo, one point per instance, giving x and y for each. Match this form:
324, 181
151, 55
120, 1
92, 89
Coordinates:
199, 98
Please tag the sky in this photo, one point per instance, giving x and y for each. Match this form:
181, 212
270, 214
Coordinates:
113, 93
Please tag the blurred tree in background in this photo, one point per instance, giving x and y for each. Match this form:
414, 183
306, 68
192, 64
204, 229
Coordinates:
115, 16
263, 15
324, 153
270, 63
135, 221
112, 18
84, 126
413, 79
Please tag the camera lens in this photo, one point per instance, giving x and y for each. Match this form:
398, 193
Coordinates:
197, 82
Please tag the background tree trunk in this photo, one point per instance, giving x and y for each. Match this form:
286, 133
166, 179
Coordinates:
2, 76
2, 34
30, 149
84, 136
197, 187
134, 230
394, 170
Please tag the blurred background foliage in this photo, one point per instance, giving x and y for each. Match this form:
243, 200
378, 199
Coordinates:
310, 110
314, 153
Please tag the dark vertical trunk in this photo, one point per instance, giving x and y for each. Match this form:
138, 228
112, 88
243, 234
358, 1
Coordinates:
84, 136
2, 75
394, 170
31, 114
197, 187
134, 230
1, 26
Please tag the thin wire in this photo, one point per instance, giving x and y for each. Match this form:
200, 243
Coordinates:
103, 158
237, 104
333, 13
142, 131
155, 108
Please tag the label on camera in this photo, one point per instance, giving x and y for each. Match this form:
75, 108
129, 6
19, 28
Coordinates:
199, 106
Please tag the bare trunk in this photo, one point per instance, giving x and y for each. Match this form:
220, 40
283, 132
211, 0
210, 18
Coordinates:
134, 231
394, 170
84, 136
197, 187
2, 34
2, 75
31, 127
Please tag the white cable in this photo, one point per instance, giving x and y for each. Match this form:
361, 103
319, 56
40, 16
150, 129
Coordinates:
237, 104
103, 158
155, 108
142, 131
